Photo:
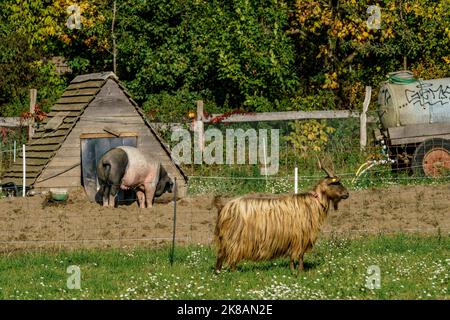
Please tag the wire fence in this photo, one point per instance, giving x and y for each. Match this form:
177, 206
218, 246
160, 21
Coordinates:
39, 223
386, 196
11, 146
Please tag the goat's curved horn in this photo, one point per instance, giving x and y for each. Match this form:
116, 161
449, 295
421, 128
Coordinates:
327, 171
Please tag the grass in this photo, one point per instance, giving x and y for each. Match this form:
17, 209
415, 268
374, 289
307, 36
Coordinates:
238, 185
412, 267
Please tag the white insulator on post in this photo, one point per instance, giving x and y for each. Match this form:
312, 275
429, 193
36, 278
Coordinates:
24, 171
296, 179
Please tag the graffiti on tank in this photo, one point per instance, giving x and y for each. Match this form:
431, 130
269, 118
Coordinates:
425, 95
386, 96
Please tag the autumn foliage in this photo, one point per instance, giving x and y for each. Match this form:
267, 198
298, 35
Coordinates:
254, 56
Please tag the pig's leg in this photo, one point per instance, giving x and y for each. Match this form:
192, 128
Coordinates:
112, 195
141, 198
101, 191
106, 190
149, 194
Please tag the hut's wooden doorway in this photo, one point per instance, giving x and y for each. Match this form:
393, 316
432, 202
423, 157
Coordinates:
93, 146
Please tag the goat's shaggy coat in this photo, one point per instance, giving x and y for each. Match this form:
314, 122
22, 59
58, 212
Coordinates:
262, 228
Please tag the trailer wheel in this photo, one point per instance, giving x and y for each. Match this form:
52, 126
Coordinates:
431, 157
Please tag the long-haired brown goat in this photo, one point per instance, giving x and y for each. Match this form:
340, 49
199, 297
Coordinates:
262, 228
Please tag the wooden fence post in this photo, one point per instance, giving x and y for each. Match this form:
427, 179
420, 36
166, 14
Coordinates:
198, 126
363, 119
33, 97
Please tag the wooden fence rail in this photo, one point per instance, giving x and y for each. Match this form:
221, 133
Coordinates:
13, 122
289, 115
200, 119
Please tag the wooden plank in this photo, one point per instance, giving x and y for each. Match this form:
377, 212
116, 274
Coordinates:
86, 84
42, 141
111, 111
73, 140
56, 121
113, 118
79, 132
13, 122
157, 151
38, 155
111, 94
68, 114
111, 90
45, 147
415, 140
64, 161
106, 135
33, 97
48, 134
18, 181
68, 151
70, 107
117, 125
70, 120
14, 174
65, 171
94, 76
81, 92
419, 130
111, 131
59, 182
199, 126
66, 125
363, 119
16, 167
72, 100
288, 115
33, 162
111, 101
153, 150
138, 130
56, 133
121, 122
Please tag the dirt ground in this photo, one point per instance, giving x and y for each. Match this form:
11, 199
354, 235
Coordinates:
34, 222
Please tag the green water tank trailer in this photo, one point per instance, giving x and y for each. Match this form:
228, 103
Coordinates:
415, 122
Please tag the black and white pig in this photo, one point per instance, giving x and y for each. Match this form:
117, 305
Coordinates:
127, 168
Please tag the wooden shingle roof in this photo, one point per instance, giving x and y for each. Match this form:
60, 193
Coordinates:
53, 131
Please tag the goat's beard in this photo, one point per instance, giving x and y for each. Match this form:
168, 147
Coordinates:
335, 204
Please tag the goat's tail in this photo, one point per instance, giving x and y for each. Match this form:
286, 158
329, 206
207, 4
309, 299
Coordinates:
219, 204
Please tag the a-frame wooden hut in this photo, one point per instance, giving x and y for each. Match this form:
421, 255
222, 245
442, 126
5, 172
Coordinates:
94, 114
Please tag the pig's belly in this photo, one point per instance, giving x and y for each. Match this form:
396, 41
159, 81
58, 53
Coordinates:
140, 170
132, 180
